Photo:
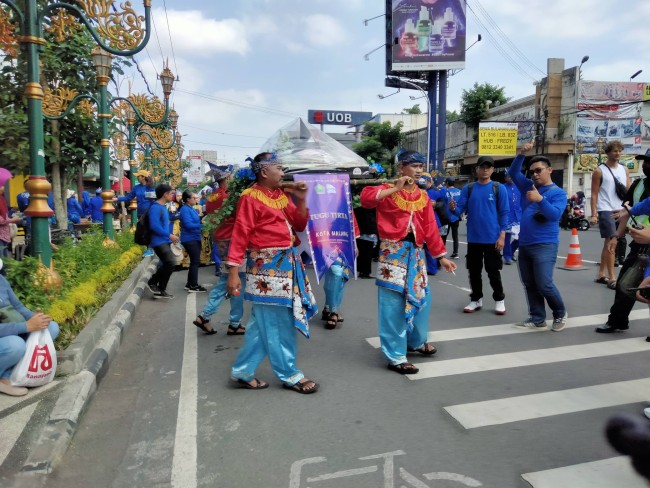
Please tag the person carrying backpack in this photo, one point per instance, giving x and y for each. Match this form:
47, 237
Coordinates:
486, 204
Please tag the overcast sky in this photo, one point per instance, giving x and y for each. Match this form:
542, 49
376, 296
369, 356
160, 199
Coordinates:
248, 67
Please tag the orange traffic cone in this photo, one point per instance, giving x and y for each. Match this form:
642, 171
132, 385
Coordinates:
574, 257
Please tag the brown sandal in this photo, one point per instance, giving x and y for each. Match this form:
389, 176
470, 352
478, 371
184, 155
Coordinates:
304, 387
239, 330
427, 349
259, 384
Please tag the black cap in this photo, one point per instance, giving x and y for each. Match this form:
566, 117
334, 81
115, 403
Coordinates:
644, 157
485, 161
450, 180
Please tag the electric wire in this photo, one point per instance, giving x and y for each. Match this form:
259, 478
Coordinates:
222, 133
155, 31
499, 48
249, 106
170, 36
505, 38
221, 145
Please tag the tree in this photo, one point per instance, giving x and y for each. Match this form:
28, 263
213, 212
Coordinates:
414, 110
452, 116
473, 102
379, 142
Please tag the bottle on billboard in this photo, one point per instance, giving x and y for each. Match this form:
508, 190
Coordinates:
424, 30
409, 40
436, 41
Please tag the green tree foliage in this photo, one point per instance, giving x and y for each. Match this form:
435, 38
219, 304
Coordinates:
452, 116
379, 142
473, 106
414, 110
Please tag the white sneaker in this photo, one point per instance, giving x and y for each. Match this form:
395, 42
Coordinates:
558, 324
474, 306
500, 307
528, 324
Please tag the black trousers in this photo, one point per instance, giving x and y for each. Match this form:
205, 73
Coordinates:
366, 253
453, 230
164, 272
619, 312
477, 256
193, 249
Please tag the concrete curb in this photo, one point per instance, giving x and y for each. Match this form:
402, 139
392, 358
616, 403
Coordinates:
86, 360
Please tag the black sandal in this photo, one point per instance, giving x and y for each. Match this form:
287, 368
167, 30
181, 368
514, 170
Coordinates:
239, 330
201, 325
427, 349
332, 320
305, 388
403, 368
259, 384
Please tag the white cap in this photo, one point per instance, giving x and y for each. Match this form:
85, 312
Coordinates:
449, 15
409, 27
436, 28
424, 13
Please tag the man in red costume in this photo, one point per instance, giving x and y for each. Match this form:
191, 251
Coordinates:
406, 222
276, 282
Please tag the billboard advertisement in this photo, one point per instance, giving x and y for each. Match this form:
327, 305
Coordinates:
608, 111
428, 35
194, 173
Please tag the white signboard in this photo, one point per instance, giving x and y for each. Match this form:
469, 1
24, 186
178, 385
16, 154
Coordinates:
194, 176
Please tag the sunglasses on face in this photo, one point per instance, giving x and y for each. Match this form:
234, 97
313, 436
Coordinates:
536, 171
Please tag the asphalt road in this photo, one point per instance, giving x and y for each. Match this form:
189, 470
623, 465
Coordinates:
493, 405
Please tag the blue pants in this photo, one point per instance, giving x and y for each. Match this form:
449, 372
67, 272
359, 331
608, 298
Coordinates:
432, 263
217, 296
12, 349
510, 247
269, 331
333, 285
393, 332
536, 264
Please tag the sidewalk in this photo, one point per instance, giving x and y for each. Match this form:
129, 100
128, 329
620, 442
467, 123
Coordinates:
36, 429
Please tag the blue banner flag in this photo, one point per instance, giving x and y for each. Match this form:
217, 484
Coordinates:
330, 228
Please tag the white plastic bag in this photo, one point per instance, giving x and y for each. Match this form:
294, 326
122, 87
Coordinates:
38, 365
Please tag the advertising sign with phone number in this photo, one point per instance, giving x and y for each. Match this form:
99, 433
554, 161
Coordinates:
497, 138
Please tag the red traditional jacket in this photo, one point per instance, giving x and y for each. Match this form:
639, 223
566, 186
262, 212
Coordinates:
402, 213
264, 219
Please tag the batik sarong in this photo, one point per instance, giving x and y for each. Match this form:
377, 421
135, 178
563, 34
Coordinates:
277, 277
402, 268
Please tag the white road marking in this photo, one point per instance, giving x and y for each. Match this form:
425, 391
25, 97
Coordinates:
606, 473
459, 478
343, 474
506, 329
184, 463
12, 427
526, 407
517, 359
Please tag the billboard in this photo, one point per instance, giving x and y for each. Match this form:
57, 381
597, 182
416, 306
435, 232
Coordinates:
608, 111
194, 173
427, 35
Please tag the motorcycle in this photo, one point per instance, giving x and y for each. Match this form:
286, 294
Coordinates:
574, 218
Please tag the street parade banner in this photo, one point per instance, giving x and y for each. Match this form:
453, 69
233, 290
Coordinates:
330, 229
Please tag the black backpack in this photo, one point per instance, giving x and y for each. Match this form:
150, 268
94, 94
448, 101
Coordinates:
142, 235
442, 211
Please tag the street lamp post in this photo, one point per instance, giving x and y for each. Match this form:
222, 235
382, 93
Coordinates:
599, 147
425, 95
120, 33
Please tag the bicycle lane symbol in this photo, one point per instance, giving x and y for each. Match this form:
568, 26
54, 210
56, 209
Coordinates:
388, 470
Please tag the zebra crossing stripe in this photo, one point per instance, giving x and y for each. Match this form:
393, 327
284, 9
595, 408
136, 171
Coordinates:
506, 329
434, 369
527, 407
12, 427
605, 473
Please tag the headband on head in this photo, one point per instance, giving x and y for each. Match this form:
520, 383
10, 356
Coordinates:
410, 157
257, 166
